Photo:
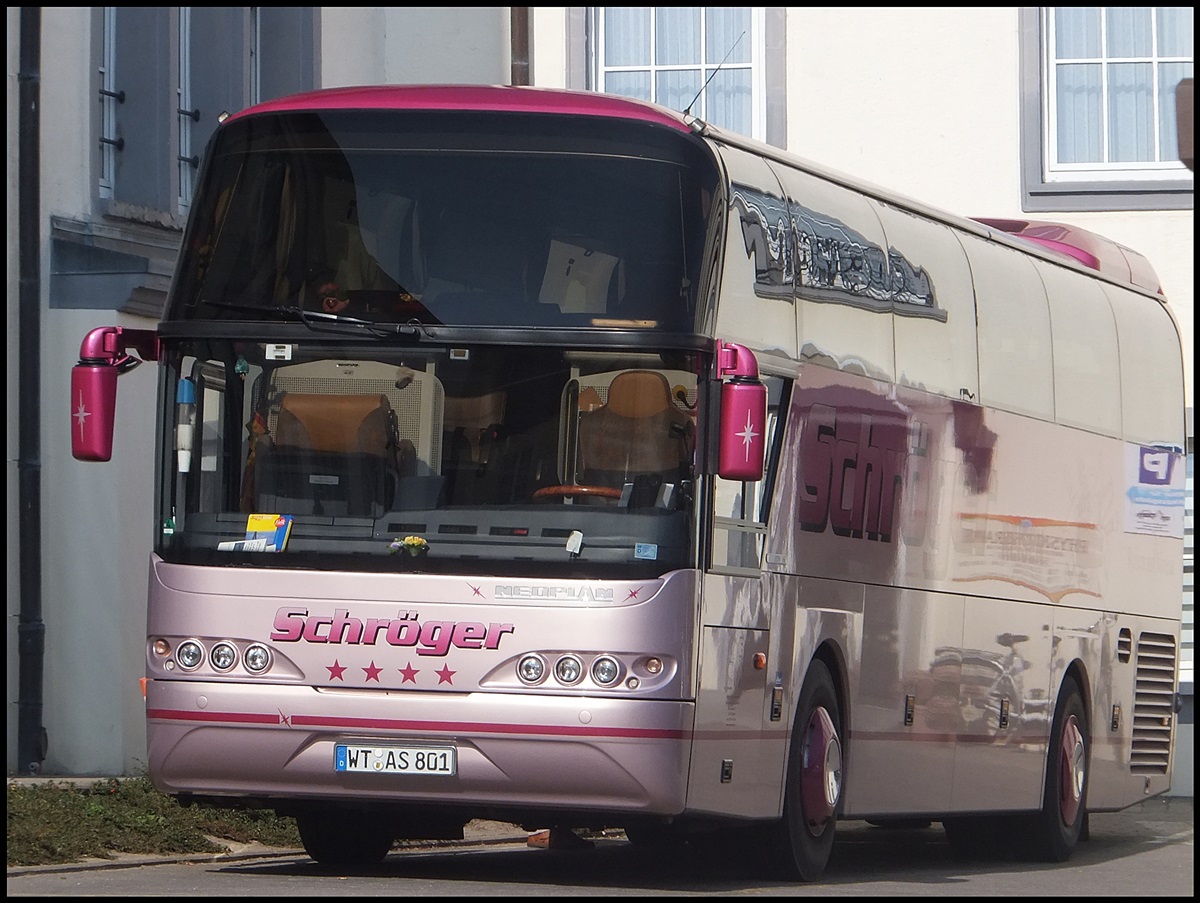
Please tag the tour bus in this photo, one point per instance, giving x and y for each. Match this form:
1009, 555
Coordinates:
560, 459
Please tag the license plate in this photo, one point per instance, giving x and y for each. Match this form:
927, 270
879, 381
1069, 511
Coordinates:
436, 760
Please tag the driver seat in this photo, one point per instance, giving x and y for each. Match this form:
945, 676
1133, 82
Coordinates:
332, 455
637, 436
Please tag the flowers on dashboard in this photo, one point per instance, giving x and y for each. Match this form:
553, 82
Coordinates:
416, 546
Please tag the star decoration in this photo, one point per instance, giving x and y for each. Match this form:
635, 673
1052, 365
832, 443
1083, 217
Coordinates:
475, 590
410, 673
373, 672
445, 675
81, 414
748, 435
335, 670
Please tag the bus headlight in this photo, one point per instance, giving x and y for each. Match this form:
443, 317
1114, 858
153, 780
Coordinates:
257, 658
223, 656
605, 671
568, 670
189, 655
531, 669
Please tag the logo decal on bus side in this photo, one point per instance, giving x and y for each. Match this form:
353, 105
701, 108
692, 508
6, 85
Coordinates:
555, 593
294, 625
852, 451
822, 258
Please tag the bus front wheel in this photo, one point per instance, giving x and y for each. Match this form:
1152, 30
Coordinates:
343, 838
814, 777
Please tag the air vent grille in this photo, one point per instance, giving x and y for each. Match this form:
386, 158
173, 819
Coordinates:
1124, 644
1153, 704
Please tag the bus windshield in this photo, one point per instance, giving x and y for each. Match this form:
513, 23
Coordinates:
422, 217
454, 458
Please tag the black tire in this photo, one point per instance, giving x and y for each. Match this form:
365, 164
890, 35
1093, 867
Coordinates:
344, 839
1057, 829
803, 838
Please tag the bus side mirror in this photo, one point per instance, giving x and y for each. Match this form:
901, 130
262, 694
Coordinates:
742, 442
102, 358
93, 410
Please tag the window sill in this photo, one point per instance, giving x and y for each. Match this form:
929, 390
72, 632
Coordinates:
112, 263
1108, 196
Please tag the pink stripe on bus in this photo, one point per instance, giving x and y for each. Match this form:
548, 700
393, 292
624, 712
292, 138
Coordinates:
393, 724
476, 98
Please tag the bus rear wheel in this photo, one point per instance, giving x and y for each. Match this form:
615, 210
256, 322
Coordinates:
1057, 829
804, 837
344, 838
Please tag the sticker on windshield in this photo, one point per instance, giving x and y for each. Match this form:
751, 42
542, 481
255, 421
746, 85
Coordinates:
646, 550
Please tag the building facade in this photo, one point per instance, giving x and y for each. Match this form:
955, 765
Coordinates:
1063, 114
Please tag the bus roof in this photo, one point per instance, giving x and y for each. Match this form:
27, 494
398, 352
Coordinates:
486, 98
1081, 246
1095, 251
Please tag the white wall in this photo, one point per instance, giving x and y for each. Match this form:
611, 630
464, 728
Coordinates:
547, 43
97, 519
406, 45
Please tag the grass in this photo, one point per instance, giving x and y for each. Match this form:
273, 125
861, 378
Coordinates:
60, 822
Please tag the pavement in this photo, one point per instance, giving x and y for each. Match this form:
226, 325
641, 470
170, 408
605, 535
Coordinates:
478, 832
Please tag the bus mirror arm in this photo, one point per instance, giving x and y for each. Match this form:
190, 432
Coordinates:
735, 361
104, 355
742, 423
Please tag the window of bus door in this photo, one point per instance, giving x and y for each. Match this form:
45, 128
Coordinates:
741, 509
202, 466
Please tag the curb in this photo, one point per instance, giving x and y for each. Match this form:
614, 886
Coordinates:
137, 860
247, 852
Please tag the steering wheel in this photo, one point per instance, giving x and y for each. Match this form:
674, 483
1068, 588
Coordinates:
572, 491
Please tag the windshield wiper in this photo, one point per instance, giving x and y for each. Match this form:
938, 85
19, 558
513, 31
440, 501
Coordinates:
319, 321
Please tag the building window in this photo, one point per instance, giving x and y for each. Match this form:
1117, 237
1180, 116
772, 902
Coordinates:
709, 61
108, 102
1099, 123
163, 77
185, 113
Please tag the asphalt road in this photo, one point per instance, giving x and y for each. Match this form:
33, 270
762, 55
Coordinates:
1144, 851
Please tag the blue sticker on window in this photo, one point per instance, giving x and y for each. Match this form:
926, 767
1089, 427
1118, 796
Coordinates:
647, 550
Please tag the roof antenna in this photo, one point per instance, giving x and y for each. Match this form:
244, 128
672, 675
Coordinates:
688, 111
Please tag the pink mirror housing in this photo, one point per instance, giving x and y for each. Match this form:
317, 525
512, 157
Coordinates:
93, 409
102, 358
742, 443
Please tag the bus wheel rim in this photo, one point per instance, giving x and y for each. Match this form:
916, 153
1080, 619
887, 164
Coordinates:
820, 772
1071, 771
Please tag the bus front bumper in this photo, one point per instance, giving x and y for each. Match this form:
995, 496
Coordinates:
510, 751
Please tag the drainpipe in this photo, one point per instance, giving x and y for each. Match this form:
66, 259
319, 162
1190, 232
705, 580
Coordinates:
31, 632
519, 28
